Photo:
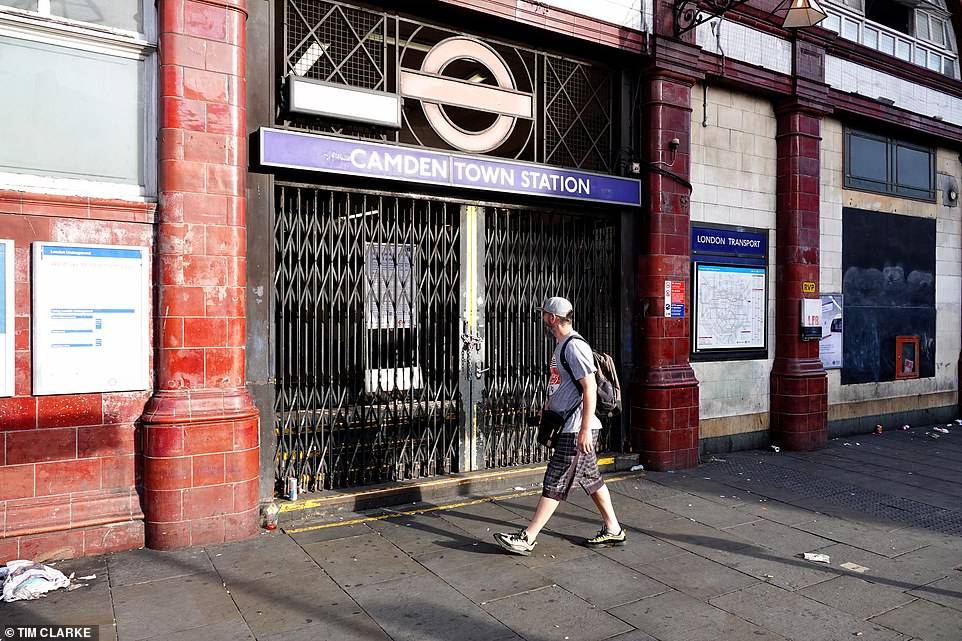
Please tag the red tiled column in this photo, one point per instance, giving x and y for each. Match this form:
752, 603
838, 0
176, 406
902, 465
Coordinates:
799, 385
201, 434
663, 416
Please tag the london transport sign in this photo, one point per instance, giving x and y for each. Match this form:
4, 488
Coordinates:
330, 154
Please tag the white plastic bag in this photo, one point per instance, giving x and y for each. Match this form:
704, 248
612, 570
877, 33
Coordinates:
27, 580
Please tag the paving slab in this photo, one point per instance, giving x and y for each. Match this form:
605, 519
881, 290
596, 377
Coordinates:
554, 614
633, 635
233, 630
421, 534
602, 582
943, 557
859, 535
670, 616
905, 572
947, 591
328, 532
778, 568
168, 606
924, 620
141, 566
639, 515
698, 538
266, 555
697, 576
702, 511
732, 627
554, 548
362, 560
505, 574
783, 513
645, 488
425, 608
640, 549
482, 520
858, 597
778, 537
281, 603
797, 617
352, 625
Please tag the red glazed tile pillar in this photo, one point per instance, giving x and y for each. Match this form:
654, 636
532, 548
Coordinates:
663, 416
200, 428
799, 385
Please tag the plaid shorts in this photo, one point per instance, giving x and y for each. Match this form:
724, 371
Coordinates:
567, 467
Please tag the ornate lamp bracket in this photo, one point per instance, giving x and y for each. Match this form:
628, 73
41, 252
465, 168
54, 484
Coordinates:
689, 13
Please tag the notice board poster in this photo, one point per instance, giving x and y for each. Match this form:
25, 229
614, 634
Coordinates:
90, 318
389, 268
7, 323
730, 307
830, 347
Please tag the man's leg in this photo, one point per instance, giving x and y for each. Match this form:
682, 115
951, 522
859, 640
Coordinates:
523, 542
602, 500
546, 507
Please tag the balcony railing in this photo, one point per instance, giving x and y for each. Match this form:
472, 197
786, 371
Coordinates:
857, 28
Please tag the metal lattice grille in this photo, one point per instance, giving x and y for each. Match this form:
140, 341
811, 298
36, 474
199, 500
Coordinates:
577, 115
366, 317
357, 47
335, 43
528, 256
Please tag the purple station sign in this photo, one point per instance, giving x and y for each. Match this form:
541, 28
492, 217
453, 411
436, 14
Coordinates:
315, 152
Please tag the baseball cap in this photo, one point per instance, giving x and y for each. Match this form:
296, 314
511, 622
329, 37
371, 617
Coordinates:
558, 306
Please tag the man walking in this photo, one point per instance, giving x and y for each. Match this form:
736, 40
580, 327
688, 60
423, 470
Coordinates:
573, 461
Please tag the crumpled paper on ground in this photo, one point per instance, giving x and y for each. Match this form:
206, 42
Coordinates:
26, 580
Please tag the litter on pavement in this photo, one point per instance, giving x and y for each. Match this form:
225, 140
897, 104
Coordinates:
26, 580
818, 558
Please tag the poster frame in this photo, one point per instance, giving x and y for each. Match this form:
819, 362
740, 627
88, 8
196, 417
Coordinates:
41, 358
724, 256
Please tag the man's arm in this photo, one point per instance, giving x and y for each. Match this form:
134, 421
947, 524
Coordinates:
589, 399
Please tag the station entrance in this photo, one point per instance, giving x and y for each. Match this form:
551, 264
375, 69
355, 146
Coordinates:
405, 338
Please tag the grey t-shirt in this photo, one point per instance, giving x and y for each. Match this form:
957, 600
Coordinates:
563, 393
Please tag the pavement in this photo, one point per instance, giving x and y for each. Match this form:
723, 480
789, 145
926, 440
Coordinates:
713, 554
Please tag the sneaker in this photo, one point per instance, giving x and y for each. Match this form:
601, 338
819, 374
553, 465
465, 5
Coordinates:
605, 539
515, 542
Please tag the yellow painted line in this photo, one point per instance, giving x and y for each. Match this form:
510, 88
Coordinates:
307, 504
436, 508
472, 212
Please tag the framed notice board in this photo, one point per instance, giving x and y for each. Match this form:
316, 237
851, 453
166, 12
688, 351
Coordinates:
90, 318
729, 292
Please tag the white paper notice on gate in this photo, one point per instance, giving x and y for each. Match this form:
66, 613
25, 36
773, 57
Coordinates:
90, 318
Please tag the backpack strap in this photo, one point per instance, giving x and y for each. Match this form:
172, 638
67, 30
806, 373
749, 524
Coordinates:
564, 360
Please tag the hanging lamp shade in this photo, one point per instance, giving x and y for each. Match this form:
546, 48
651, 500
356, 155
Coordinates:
803, 13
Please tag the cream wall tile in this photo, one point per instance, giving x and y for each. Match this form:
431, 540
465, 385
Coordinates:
736, 186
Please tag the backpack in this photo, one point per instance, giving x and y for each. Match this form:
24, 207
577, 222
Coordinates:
606, 378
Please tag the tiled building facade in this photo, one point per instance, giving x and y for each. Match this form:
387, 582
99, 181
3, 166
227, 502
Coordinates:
348, 326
